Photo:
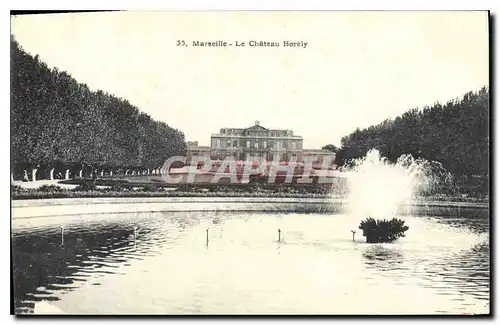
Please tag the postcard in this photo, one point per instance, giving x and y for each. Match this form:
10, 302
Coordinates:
250, 163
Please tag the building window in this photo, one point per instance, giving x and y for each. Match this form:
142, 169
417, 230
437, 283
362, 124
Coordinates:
228, 144
294, 145
248, 143
278, 144
235, 143
256, 145
217, 143
265, 144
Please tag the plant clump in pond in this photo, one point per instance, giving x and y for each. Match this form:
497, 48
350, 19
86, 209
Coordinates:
383, 231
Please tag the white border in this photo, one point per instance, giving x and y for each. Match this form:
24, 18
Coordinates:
257, 5
182, 5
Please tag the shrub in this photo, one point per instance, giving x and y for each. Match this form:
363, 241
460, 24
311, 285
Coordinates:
115, 188
151, 188
50, 188
85, 187
15, 189
382, 231
188, 188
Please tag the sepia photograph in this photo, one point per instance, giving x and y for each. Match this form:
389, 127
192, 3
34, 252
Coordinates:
250, 163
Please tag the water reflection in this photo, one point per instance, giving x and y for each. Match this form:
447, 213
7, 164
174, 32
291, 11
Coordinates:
462, 273
43, 265
473, 224
382, 258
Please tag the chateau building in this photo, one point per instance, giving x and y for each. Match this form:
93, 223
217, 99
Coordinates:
256, 141
193, 149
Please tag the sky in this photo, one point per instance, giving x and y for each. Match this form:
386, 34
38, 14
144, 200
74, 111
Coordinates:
357, 69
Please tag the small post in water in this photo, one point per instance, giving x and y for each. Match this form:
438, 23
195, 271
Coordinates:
279, 235
135, 237
207, 237
353, 232
62, 235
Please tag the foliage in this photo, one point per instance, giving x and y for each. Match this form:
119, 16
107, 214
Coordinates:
56, 120
331, 147
15, 188
85, 187
120, 187
382, 231
50, 188
151, 188
455, 134
107, 193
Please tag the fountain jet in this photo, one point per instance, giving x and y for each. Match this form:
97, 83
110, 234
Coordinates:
378, 188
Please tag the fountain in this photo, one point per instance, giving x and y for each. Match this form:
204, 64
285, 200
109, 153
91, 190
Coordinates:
379, 190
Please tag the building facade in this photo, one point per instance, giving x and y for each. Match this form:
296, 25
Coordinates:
193, 149
256, 141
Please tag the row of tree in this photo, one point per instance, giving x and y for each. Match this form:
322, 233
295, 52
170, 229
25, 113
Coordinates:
58, 121
455, 134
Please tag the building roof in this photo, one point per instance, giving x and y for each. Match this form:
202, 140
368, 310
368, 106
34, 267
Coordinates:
256, 128
198, 148
318, 151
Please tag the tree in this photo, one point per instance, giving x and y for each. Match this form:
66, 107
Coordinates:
58, 121
331, 147
455, 134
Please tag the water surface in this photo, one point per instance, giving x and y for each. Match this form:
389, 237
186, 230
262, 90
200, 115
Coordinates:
442, 266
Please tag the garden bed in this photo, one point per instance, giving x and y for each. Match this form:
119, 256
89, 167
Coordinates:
126, 189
